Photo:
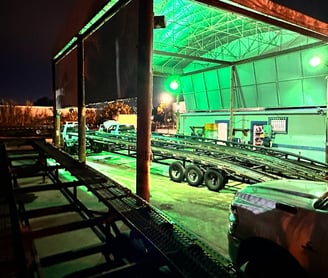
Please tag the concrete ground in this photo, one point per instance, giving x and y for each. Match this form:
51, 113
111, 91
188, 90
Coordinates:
203, 212
198, 209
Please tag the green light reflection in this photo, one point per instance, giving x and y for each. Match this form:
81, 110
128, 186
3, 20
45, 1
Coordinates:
107, 7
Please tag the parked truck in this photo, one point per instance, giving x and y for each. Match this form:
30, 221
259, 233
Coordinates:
115, 128
69, 134
279, 229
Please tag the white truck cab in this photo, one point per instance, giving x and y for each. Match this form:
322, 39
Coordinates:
115, 128
280, 229
69, 136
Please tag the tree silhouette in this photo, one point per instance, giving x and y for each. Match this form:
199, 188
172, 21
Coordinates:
112, 110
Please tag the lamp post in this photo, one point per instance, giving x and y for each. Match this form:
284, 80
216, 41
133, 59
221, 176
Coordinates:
166, 99
174, 86
177, 115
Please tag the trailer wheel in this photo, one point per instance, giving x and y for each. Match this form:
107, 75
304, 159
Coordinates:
70, 150
214, 180
194, 175
176, 171
96, 148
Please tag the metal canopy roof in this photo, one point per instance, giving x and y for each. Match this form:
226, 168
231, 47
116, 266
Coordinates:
201, 35
198, 37
206, 36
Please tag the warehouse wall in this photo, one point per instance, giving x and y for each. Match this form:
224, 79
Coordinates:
305, 133
281, 81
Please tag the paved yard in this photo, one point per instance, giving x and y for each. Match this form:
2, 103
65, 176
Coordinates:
198, 209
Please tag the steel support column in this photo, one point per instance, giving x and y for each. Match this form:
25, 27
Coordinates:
56, 116
232, 102
144, 102
81, 110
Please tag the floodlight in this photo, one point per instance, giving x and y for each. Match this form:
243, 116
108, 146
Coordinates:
159, 21
172, 84
315, 61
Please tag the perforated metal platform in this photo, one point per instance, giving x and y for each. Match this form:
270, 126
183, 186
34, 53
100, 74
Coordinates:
167, 249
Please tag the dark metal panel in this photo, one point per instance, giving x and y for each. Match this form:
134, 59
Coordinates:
81, 13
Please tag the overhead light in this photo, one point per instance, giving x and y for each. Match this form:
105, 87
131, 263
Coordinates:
159, 21
315, 61
172, 84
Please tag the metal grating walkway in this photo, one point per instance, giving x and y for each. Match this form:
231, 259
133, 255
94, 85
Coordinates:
166, 244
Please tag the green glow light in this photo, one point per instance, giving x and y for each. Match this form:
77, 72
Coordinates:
67, 175
106, 8
67, 46
315, 61
85, 190
172, 84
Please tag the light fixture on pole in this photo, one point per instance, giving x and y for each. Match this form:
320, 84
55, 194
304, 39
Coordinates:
159, 21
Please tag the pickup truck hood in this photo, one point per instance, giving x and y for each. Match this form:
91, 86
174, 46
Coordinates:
301, 193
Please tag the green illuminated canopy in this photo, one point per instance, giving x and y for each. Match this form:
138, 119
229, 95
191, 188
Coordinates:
200, 44
198, 37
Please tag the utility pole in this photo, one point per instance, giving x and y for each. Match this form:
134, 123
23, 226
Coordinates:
232, 102
177, 114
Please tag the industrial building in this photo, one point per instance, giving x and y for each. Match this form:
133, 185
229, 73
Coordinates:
248, 72
238, 68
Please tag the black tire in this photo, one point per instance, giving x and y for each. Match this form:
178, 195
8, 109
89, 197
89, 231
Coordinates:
275, 264
254, 270
194, 175
111, 148
68, 149
96, 148
176, 171
214, 180
272, 270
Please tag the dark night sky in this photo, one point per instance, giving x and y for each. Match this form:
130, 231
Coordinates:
314, 8
29, 32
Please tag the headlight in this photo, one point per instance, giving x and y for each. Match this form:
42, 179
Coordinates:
233, 218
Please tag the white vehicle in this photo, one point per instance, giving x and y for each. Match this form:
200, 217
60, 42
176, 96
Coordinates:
115, 128
69, 136
280, 229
